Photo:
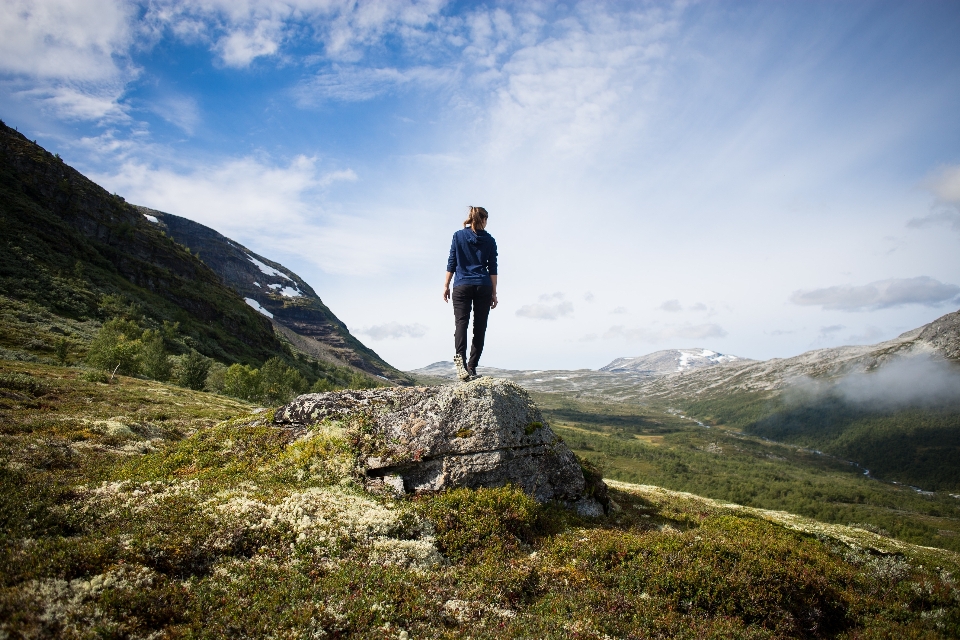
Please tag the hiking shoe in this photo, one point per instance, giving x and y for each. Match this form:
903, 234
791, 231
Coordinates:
462, 372
473, 373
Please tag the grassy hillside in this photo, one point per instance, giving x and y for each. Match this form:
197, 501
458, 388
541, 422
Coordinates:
73, 257
644, 445
917, 446
73, 249
137, 509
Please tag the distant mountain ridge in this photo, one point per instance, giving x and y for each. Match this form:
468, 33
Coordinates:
291, 305
671, 361
618, 381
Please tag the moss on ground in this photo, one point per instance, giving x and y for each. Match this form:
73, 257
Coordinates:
138, 509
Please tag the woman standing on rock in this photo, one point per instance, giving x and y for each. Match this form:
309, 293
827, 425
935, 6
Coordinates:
473, 259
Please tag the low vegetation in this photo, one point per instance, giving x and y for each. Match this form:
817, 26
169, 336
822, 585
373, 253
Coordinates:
143, 509
912, 445
642, 445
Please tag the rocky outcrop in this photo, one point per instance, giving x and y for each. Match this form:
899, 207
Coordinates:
483, 433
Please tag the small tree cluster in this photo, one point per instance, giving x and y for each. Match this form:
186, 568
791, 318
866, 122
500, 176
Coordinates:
273, 383
123, 347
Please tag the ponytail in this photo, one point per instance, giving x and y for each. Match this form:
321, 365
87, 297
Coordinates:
476, 219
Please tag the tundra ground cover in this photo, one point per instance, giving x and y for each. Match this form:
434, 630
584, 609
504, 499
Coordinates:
138, 509
640, 444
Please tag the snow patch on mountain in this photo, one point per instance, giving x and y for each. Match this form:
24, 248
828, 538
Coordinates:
289, 292
256, 305
267, 269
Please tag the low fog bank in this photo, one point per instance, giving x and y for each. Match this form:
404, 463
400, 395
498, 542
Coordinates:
917, 381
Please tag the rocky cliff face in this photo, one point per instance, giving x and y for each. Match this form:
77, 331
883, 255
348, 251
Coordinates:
278, 293
483, 433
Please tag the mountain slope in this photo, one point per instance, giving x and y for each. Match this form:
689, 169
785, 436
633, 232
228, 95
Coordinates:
279, 294
76, 251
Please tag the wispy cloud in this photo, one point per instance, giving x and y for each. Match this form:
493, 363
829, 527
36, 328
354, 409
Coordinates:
945, 185
394, 330
550, 307
356, 84
883, 294
180, 111
645, 334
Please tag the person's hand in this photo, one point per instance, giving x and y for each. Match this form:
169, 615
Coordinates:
446, 294
493, 300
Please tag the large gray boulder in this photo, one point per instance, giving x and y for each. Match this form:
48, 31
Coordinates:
483, 433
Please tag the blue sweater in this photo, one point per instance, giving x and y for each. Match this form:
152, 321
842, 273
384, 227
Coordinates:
473, 257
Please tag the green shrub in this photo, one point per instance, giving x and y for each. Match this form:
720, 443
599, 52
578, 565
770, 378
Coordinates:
242, 381
22, 382
470, 520
62, 350
322, 385
116, 347
193, 371
215, 377
95, 375
280, 383
155, 362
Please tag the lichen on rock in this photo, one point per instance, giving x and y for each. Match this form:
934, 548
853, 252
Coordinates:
482, 433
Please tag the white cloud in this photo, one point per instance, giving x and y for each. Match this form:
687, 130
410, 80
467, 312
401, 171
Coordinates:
99, 102
882, 294
344, 175
71, 55
356, 84
240, 48
671, 305
394, 330
580, 83
77, 40
241, 32
180, 111
551, 307
619, 311
685, 332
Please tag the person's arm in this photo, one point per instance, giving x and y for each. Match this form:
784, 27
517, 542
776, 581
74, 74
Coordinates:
451, 268
446, 286
492, 270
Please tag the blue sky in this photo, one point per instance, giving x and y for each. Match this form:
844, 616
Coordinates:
758, 178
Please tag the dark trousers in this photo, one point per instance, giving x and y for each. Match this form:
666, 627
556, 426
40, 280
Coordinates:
479, 297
